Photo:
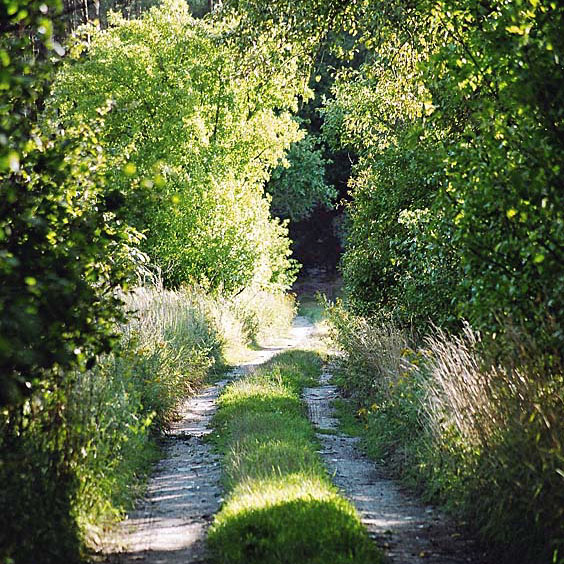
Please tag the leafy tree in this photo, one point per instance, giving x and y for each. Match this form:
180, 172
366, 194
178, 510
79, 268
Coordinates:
63, 255
62, 248
191, 135
466, 100
298, 184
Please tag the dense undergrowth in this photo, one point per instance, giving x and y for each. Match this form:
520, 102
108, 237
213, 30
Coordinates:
481, 437
281, 506
75, 460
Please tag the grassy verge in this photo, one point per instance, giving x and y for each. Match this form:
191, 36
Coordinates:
281, 506
483, 439
75, 459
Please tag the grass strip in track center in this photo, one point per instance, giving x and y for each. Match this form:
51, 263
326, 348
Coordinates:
281, 506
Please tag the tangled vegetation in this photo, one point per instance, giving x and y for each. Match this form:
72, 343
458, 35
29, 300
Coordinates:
457, 211
191, 135
480, 437
457, 217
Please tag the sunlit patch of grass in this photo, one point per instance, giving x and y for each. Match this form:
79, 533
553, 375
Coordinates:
281, 505
295, 368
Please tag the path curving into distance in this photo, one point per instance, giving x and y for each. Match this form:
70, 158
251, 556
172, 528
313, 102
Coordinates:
170, 524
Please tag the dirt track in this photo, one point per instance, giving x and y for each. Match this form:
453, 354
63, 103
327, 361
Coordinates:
170, 524
184, 493
407, 531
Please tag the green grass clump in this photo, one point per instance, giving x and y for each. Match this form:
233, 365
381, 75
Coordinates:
281, 505
311, 308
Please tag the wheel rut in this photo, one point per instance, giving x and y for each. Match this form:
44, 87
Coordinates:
170, 523
407, 531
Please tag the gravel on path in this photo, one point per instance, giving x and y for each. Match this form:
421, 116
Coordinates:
170, 524
407, 531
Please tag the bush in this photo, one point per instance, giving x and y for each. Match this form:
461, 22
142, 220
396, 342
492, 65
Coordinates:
64, 255
479, 436
190, 135
457, 198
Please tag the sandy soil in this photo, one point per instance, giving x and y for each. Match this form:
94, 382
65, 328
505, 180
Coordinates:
407, 531
169, 526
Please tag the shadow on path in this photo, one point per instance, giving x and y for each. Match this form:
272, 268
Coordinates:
170, 524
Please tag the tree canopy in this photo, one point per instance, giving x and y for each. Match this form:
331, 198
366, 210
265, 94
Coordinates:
457, 115
192, 135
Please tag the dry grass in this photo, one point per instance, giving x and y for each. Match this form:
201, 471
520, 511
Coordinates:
483, 437
377, 355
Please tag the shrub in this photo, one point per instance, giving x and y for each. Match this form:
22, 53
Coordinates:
191, 133
64, 254
480, 436
298, 184
456, 212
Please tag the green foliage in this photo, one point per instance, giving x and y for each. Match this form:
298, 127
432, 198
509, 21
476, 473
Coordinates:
62, 251
124, 140
298, 184
395, 261
74, 458
37, 484
457, 209
311, 308
116, 410
282, 506
482, 439
190, 136
63, 256
28, 53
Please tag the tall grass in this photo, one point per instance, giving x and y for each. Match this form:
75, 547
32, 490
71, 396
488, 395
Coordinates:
262, 315
132, 395
482, 436
76, 457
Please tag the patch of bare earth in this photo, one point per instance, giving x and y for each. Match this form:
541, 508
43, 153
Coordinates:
407, 531
170, 524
